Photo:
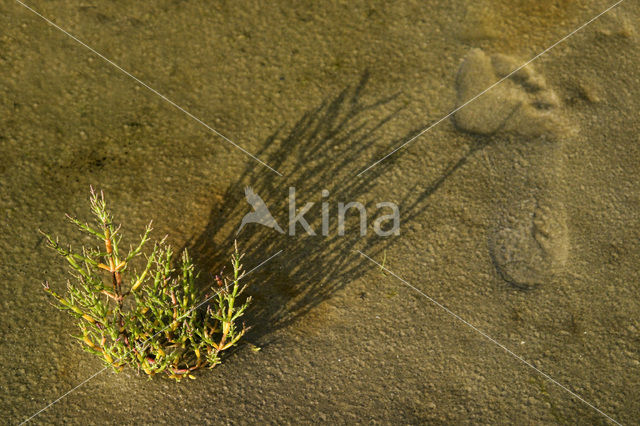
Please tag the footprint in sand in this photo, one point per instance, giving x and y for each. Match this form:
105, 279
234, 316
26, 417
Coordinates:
530, 242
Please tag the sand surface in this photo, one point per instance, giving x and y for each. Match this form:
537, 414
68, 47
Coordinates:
520, 213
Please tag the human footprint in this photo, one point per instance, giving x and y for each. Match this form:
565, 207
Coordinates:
530, 242
521, 104
529, 249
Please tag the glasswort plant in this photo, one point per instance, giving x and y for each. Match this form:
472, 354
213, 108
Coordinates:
155, 320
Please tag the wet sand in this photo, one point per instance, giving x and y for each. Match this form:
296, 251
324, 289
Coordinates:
520, 213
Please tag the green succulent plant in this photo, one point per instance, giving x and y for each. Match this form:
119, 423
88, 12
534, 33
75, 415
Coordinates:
156, 320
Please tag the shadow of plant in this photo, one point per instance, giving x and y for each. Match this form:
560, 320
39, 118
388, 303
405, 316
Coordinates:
324, 150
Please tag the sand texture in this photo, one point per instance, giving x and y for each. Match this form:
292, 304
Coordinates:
520, 212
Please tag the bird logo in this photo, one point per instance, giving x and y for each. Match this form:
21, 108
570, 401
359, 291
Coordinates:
260, 213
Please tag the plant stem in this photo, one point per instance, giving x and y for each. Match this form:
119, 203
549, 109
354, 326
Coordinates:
116, 278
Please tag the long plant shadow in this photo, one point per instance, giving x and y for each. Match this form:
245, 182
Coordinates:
323, 151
